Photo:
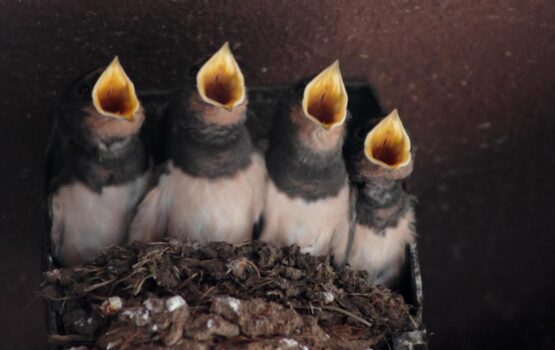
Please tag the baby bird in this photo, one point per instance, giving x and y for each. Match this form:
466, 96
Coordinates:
384, 211
103, 165
307, 200
212, 186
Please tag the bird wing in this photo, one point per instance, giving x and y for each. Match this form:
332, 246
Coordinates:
343, 239
57, 225
151, 219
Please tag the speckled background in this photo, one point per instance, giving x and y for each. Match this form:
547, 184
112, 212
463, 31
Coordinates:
474, 82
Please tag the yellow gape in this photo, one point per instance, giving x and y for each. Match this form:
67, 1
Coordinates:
113, 94
388, 144
220, 81
325, 98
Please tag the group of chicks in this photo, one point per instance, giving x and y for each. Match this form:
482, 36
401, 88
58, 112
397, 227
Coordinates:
216, 186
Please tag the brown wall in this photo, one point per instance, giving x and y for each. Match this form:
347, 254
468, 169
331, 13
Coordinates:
474, 82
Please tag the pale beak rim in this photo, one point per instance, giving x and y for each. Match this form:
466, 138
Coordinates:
391, 121
115, 67
225, 57
332, 73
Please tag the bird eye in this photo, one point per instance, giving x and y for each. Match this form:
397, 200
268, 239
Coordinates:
83, 90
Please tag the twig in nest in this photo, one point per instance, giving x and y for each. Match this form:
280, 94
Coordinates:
128, 341
259, 286
208, 291
67, 297
413, 321
99, 285
140, 285
59, 339
253, 265
341, 311
347, 313
362, 294
186, 282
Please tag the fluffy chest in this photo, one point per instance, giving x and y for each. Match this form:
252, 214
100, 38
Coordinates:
103, 214
374, 252
309, 224
222, 209
85, 222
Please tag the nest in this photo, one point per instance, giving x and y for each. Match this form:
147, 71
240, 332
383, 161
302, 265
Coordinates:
174, 295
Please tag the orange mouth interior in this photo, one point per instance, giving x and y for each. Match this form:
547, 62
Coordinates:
325, 98
388, 144
114, 94
222, 89
220, 81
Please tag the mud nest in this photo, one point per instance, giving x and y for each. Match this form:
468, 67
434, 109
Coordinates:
174, 295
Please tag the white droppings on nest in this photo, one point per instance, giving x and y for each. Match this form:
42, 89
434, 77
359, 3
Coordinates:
137, 314
129, 313
148, 304
233, 303
289, 343
175, 303
145, 315
194, 244
174, 241
115, 302
110, 346
154, 327
328, 297
111, 305
210, 324
89, 320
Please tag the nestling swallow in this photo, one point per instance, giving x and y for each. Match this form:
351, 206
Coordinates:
384, 211
104, 166
307, 201
212, 187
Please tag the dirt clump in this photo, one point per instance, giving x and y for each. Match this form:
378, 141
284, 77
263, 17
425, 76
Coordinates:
174, 295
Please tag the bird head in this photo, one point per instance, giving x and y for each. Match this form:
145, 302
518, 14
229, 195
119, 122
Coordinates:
386, 150
113, 94
318, 109
106, 101
221, 96
325, 98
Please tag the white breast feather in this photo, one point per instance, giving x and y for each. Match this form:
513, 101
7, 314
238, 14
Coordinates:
311, 225
378, 253
85, 222
204, 209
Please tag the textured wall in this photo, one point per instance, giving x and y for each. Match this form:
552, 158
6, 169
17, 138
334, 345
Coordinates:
473, 80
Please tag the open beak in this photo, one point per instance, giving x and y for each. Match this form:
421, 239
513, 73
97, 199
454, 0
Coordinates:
114, 95
220, 81
325, 98
388, 144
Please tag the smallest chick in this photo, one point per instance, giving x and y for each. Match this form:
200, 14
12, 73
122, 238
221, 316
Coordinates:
384, 211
